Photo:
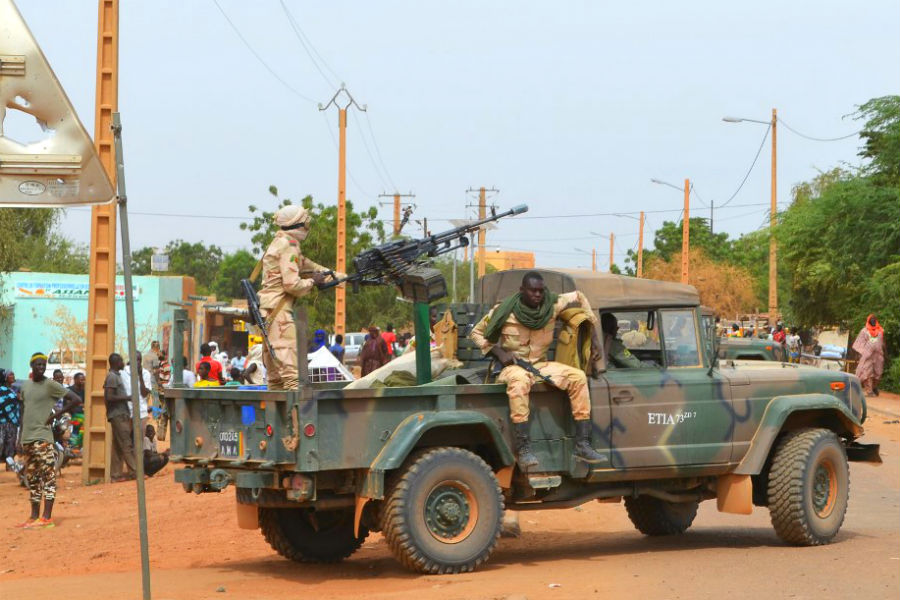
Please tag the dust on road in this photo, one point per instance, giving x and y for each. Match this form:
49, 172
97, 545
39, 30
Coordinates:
588, 552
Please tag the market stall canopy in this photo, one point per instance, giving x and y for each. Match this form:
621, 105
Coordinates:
47, 157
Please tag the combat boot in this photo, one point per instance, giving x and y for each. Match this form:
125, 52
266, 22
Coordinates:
583, 448
524, 457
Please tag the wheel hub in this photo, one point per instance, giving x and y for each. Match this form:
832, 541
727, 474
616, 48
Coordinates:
448, 512
824, 489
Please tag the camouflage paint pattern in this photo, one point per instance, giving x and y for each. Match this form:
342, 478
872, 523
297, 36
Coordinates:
669, 427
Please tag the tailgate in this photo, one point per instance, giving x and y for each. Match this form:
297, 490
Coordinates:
230, 427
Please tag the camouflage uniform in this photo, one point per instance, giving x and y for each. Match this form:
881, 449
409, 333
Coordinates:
281, 284
40, 471
531, 345
618, 355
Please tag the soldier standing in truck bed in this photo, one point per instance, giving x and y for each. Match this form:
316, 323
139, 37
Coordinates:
521, 327
282, 282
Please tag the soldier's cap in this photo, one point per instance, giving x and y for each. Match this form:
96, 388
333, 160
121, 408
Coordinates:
291, 216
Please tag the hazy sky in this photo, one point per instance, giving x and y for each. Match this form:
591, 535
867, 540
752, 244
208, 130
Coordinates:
570, 107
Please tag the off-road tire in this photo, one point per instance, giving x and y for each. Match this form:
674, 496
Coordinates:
652, 516
291, 533
809, 486
430, 486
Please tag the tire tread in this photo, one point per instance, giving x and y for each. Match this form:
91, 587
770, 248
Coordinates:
394, 525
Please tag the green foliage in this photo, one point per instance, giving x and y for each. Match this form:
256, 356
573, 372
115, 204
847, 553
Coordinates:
881, 134
262, 225
667, 243
192, 260
833, 243
372, 304
33, 243
233, 268
882, 297
891, 379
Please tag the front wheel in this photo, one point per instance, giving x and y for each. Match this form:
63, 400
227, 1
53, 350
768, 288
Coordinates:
809, 486
442, 512
311, 536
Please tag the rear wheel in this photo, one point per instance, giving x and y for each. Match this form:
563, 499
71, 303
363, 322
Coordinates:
809, 487
652, 516
442, 513
310, 536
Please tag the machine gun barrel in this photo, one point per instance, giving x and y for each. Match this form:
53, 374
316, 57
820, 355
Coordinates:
387, 263
459, 232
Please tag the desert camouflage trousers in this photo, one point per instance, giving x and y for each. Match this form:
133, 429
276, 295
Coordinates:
40, 471
281, 373
519, 381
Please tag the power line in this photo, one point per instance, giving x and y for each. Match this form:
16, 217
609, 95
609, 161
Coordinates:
362, 136
378, 150
817, 139
296, 28
750, 170
310, 49
302, 34
260, 58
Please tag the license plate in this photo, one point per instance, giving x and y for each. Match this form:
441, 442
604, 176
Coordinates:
231, 444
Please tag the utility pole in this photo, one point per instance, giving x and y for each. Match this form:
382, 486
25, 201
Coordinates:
773, 262
640, 265
101, 333
482, 234
612, 241
398, 221
773, 211
340, 293
686, 232
593, 259
712, 204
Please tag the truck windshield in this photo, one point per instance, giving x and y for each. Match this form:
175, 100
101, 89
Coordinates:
680, 338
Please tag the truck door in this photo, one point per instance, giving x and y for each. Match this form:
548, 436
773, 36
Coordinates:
673, 413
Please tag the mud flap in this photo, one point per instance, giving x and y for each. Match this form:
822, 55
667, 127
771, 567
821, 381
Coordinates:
247, 516
870, 453
361, 502
734, 494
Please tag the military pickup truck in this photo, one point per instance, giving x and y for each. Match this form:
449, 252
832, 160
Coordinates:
735, 348
432, 467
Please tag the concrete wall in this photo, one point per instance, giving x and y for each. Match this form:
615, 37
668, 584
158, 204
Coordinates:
49, 308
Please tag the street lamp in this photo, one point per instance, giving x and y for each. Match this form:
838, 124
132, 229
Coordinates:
773, 262
685, 225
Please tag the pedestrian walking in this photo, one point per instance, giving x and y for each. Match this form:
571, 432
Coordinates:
374, 353
870, 346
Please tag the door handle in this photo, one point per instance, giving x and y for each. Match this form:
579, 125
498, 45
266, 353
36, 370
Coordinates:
622, 397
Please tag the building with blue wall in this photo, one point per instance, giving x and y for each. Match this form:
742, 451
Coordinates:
45, 311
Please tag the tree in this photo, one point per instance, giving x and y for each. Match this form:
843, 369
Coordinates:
881, 134
32, 242
371, 304
832, 244
667, 242
839, 239
233, 268
191, 260
727, 289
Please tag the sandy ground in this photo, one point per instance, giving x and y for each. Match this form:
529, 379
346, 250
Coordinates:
587, 552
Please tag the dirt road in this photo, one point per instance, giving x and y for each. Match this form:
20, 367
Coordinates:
588, 552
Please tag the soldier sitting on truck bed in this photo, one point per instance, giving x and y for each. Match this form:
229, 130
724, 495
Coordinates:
521, 329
